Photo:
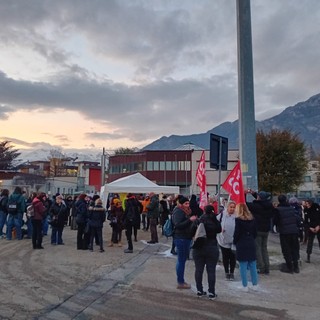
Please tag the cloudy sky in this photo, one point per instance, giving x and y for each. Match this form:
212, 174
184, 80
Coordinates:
123, 73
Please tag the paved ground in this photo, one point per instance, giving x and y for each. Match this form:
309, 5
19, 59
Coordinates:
61, 282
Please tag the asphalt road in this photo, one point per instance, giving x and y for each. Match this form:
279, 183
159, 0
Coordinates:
61, 282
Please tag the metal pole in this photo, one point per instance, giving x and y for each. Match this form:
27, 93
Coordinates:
219, 179
103, 167
247, 128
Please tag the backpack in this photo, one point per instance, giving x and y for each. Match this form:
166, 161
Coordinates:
30, 211
168, 228
12, 206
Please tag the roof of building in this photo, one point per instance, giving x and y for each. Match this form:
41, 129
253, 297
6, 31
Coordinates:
189, 146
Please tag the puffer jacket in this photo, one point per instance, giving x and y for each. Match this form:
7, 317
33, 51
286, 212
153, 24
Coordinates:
39, 209
97, 216
287, 219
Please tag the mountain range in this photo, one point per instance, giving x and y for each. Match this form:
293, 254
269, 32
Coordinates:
302, 119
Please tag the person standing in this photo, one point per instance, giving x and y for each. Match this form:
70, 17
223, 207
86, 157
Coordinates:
164, 211
182, 221
287, 221
59, 216
225, 239
263, 211
244, 236
16, 207
3, 210
82, 219
131, 218
37, 219
97, 216
116, 222
153, 215
208, 254
312, 220
145, 220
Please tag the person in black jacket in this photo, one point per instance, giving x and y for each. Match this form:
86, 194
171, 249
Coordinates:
263, 211
82, 219
244, 236
3, 210
287, 222
58, 215
208, 254
312, 220
131, 218
96, 218
182, 221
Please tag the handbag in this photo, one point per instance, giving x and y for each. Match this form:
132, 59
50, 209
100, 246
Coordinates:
200, 237
87, 228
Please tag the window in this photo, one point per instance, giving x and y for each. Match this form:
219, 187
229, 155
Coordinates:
307, 179
156, 166
168, 165
149, 166
162, 165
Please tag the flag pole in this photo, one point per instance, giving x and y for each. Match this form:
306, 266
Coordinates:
219, 178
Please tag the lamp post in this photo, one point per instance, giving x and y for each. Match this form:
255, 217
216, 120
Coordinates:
247, 128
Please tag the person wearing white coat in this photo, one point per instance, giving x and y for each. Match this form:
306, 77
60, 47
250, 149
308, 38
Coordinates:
225, 239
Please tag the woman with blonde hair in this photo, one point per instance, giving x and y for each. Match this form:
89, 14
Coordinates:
244, 239
225, 239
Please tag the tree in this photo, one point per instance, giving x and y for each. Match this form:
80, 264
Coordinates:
125, 151
282, 162
7, 155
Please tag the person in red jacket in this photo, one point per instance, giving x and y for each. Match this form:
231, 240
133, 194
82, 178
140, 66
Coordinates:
39, 211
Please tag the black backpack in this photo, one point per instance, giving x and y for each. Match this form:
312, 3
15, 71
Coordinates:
12, 206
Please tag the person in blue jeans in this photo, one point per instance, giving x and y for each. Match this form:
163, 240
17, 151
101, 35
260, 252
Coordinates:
16, 207
59, 217
182, 221
244, 236
3, 210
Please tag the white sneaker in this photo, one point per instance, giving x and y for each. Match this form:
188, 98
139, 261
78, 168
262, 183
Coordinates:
244, 289
255, 287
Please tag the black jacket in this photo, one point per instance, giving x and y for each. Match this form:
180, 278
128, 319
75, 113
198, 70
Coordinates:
312, 216
81, 211
131, 215
97, 216
263, 211
183, 226
58, 214
287, 219
211, 224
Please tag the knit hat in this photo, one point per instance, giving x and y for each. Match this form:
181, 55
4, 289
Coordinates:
282, 198
182, 200
264, 195
293, 200
208, 209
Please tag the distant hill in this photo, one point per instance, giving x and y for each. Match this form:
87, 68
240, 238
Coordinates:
302, 118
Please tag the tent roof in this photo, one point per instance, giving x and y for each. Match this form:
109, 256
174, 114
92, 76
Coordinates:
137, 183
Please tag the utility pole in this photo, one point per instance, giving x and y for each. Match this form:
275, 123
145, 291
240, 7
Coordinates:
247, 127
103, 167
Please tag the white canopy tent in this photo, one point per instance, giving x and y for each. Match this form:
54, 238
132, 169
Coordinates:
135, 183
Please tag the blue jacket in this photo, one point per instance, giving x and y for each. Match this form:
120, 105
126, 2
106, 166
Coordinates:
244, 236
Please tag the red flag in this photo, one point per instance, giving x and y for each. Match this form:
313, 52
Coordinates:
202, 181
234, 186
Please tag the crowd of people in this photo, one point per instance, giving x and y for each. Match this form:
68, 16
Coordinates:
239, 231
